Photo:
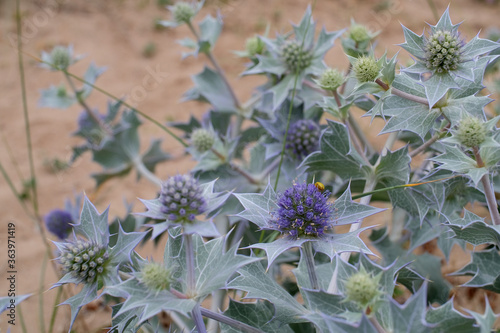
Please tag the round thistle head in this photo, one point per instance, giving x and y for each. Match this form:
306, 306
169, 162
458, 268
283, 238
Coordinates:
366, 69
362, 288
61, 57
254, 45
443, 51
303, 138
331, 79
202, 139
155, 276
182, 199
183, 12
59, 223
303, 211
471, 132
85, 260
359, 33
295, 57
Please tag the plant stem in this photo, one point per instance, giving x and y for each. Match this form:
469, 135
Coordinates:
217, 67
488, 190
141, 168
191, 277
25, 108
16, 194
11, 156
402, 94
377, 325
230, 321
198, 319
41, 316
236, 168
85, 106
21, 319
425, 145
54, 309
307, 252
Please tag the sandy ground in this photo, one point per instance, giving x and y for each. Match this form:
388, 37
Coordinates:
113, 34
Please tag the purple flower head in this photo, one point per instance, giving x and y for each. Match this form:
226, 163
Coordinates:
182, 198
303, 138
59, 223
303, 211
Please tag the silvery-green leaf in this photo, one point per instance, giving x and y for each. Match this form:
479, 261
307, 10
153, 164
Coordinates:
437, 86
445, 23
85, 296
413, 43
456, 109
147, 303
267, 65
56, 97
93, 226
210, 29
325, 41
282, 89
477, 46
259, 285
258, 206
277, 247
485, 269
327, 324
486, 320
259, 315
126, 322
454, 159
5, 302
409, 317
212, 87
477, 232
90, 76
347, 211
422, 233
408, 116
125, 244
337, 154
304, 31
448, 319
154, 155
338, 243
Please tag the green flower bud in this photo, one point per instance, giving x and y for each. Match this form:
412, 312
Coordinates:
359, 33
331, 79
366, 69
183, 12
443, 51
295, 57
362, 288
471, 132
76, 258
155, 276
254, 45
202, 139
61, 57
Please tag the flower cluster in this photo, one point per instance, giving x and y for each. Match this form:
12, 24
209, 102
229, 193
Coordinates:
155, 276
443, 51
202, 139
303, 138
304, 211
359, 33
366, 69
331, 79
471, 132
254, 45
183, 12
59, 222
85, 260
182, 198
295, 56
362, 288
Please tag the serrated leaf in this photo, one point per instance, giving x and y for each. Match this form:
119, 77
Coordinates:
258, 206
477, 233
409, 317
210, 29
454, 159
56, 97
259, 285
125, 245
437, 86
337, 154
147, 303
90, 76
259, 315
5, 302
154, 155
329, 324
486, 320
448, 319
212, 87
485, 268
413, 43
85, 296
93, 226
348, 211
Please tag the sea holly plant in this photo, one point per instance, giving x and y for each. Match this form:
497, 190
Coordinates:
266, 233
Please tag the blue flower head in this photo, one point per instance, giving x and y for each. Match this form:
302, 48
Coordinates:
59, 222
182, 198
303, 211
303, 138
